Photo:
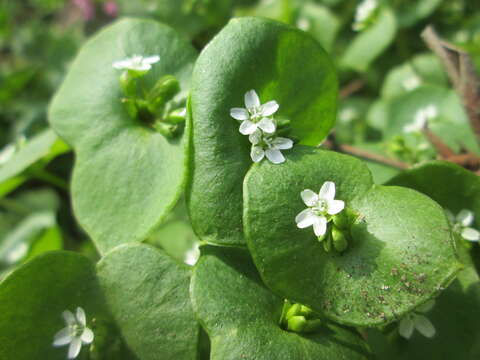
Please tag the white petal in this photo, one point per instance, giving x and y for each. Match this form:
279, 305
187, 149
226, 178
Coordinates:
75, 347
327, 191
335, 206
309, 197
267, 125
282, 143
320, 225
431, 111
87, 336
151, 59
247, 127
470, 234
239, 113
465, 217
406, 327
69, 317
255, 137
424, 326
122, 64
269, 108
251, 99
275, 156
81, 318
62, 337
426, 307
305, 218
257, 154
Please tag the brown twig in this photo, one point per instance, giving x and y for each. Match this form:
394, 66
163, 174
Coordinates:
461, 72
351, 88
364, 154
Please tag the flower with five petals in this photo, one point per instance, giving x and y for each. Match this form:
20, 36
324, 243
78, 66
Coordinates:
320, 207
76, 333
255, 115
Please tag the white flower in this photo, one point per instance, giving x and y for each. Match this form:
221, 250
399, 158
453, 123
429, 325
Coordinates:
417, 321
193, 254
76, 333
255, 115
411, 82
462, 225
421, 118
136, 63
269, 146
319, 207
363, 13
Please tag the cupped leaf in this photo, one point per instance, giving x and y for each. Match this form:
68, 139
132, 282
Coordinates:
369, 44
127, 176
242, 316
399, 255
33, 298
281, 63
147, 293
452, 186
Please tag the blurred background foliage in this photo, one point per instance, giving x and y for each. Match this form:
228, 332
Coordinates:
387, 74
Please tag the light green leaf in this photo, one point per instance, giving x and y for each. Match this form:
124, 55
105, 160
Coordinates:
281, 63
43, 147
242, 316
370, 43
127, 176
319, 21
147, 292
451, 124
399, 255
422, 69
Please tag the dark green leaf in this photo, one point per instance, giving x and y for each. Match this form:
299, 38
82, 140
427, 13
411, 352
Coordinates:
281, 63
242, 316
399, 255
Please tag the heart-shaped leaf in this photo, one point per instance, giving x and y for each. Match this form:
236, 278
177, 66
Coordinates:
281, 63
242, 316
127, 176
147, 293
33, 298
400, 252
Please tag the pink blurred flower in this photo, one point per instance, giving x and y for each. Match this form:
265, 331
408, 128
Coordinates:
110, 8
86, 7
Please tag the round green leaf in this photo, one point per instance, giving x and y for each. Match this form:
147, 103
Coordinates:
127, 176
33, 298
242, 316
148, 295
400, 254
452, 186
281, 63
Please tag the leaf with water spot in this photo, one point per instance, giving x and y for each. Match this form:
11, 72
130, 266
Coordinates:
400, 253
